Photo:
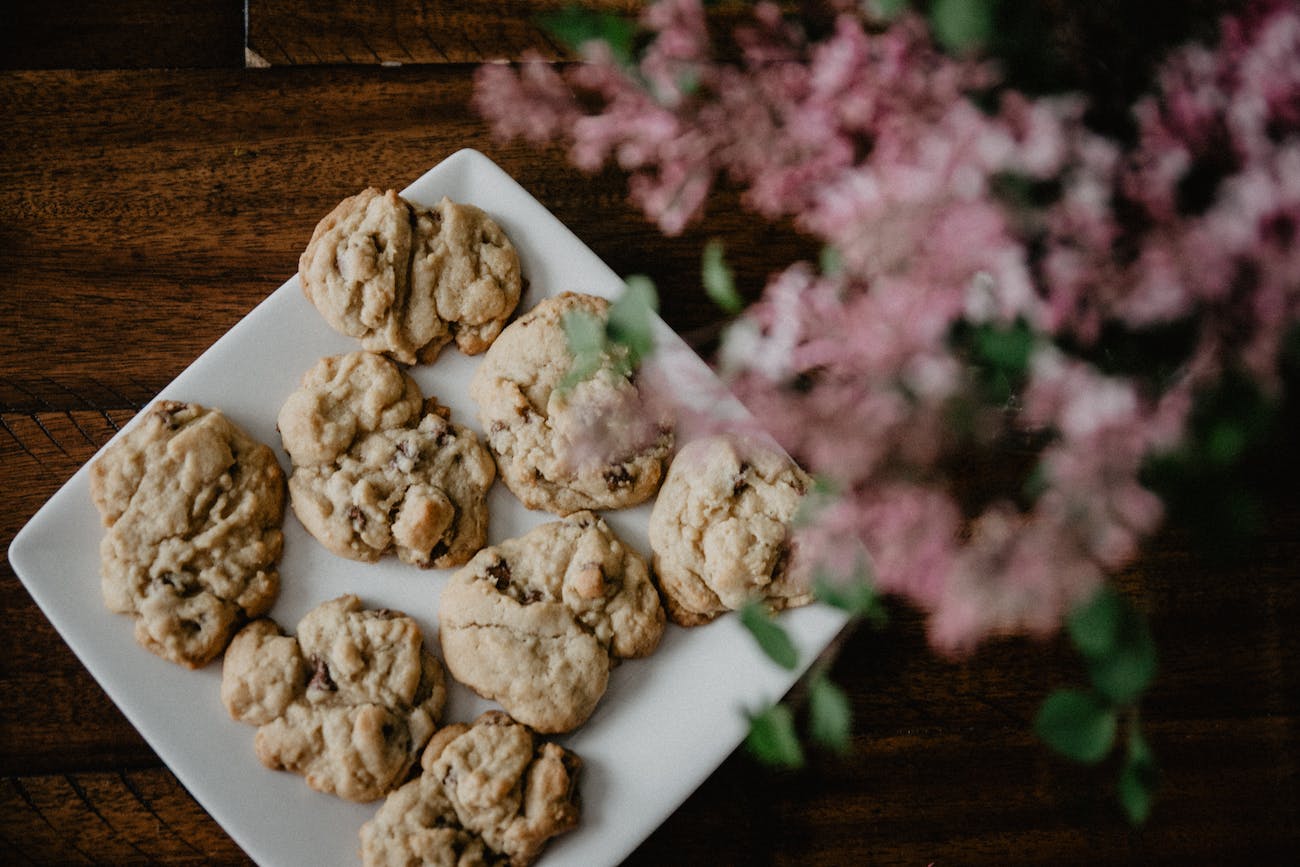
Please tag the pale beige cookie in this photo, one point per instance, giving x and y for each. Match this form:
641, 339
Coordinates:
720, 529
490, 793
536, 622
376, 468
543, 429
348, 704
193, 507
406, 279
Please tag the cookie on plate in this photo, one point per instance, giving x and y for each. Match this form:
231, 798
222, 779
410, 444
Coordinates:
536, 622
489, 793
193, 507
541, 427
348, 704
720, 529
377, 468
407, 279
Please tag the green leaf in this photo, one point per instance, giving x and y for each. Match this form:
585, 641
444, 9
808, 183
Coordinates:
830, 716
770, 635
585, 335
1000, 353
1077, 724
688, 81
830, 261
1116, 644
1006, 348
719, 281
822, 493
1094, 627
1226, 441
1125, 674
1137, 779
962, 25
575, 27
631, 318
584, 332
857, 596
889, 9
772, 738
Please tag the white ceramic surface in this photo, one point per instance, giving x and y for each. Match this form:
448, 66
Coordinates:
664, 725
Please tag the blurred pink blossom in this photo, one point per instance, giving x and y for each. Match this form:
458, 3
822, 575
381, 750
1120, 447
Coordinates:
870, 140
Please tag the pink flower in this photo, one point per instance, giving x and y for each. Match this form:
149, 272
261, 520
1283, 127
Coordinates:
869, 140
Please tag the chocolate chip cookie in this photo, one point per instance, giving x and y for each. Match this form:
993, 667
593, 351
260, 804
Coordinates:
489, 793
539, 426
720, 529
536, 622
193, 507
348, 704
406, 279
377, 468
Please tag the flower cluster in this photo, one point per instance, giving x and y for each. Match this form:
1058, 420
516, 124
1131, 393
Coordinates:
951, 377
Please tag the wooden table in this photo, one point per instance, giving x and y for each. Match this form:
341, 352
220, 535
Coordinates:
161, 166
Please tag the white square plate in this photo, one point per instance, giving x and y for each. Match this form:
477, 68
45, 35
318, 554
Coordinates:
664, 725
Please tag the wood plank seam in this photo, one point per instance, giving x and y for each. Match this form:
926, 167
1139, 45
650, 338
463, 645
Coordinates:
40, 814
148, 806
85, 799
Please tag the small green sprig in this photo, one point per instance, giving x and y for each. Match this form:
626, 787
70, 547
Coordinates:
622, 340
773, 734
575, 26
718, 278
1084, 724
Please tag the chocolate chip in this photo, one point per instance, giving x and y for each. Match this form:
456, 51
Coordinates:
404, 456
617, 476
357, 517
739, 486
183, 585
432, 407
166, 412
499, 572
320, 678
531, 596
782, 562
438, 550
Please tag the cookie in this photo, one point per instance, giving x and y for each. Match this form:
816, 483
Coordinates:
720, 529
489, 793
377, 468
536, 622
406, 279
538, 425
193, 508
348, 704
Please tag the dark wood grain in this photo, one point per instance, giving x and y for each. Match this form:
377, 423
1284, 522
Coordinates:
144, 210
297, 32
126, 817
130, 34
205, 185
